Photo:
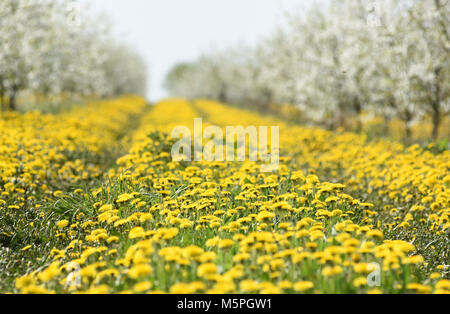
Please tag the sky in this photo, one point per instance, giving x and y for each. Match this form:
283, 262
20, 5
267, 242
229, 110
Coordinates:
166, 32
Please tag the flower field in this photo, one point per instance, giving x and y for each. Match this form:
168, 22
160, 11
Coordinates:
44, 156
91, 202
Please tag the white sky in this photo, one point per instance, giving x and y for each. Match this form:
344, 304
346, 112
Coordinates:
169, 31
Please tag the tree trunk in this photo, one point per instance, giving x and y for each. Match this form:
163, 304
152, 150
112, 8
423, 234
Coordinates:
358, 109
436, 122
223, 94
407, 119
435, 105
267, 101
341, 116
2, 97
387, 121
13, 100
407, 130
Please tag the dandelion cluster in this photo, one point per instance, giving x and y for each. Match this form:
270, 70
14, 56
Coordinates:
46, 157
156, 226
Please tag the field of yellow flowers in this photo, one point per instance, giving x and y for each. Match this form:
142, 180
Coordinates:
91, 202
